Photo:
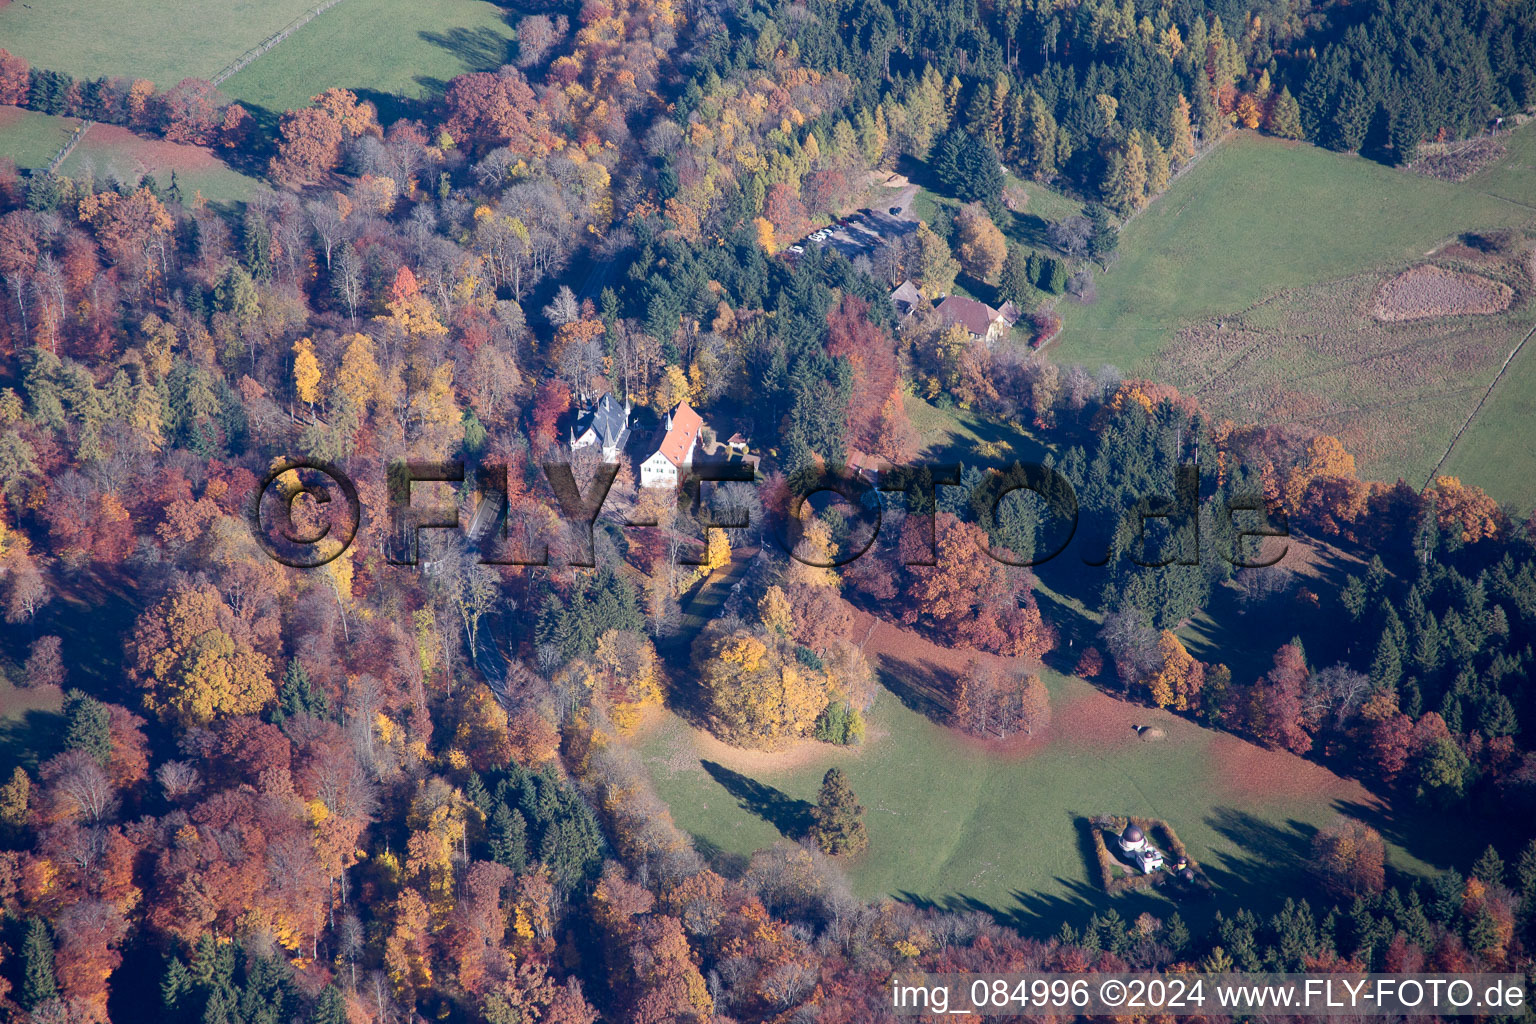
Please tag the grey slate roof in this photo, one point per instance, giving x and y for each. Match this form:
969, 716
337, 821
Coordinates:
607, 420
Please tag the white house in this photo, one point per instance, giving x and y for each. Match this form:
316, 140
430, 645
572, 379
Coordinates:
675, 453
604, 424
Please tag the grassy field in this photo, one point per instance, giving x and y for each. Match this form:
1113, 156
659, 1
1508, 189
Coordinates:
963, 823
1513, 176
156, 39
958, 822
31, 139
380, 49
1260, 216
1495, 452
1316, 357
31, 728
109, 152
112, 152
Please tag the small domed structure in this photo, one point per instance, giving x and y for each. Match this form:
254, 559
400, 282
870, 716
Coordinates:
1187, 876
1132, 839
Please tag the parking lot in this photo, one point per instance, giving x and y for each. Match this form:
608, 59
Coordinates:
863, 232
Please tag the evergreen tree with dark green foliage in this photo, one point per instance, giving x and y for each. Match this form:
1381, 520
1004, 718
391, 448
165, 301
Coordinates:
87, 726
541, 812
1055, 276
1035, 269
1114, 936
1015, 284
1483, 933
1238, 935
479, 795
258, 247
298, 695
838, 818
175, 987
1105, 237
1525, 873
509, 838
968, 166
574, 622
1445, 896
1489, 868
1285, 116
48, 91
330, 1008
37, 978
1176, 935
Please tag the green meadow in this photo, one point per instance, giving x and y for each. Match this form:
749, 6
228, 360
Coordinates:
957, 822
30, 139
384, 50
1256, 217
156, 39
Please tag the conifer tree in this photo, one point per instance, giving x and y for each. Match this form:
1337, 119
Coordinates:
175, 986
330, 1008
87, 726
1285, 116
509, 838
299, 696
1015, 284
37, 979
838, 817
1489, 868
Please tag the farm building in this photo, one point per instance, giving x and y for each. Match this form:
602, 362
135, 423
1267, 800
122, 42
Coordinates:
984, 322
674, 452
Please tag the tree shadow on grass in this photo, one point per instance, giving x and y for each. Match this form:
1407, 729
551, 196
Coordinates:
30, 739
920, 684
1029, 229
1041, 914
393, 107
790, 816
723, 862
1440, 838
1270, 861
480, 49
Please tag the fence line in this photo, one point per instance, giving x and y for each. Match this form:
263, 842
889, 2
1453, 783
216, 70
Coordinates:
69, 145
229, 69
266, 44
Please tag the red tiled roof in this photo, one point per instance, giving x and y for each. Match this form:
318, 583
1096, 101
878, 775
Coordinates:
685, 428
976, 316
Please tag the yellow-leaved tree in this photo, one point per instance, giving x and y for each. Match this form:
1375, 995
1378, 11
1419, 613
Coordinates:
306, 373
359, 377
758, 693
628, 674
1177, 680
192, 654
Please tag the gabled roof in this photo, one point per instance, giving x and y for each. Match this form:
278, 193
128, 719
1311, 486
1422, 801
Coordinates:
683, 430
906, 297
977, 317
607, 420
